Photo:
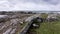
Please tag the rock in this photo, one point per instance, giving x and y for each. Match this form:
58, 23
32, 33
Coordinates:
21, 22
14, 21
35, 25
51, 18
13, 31
8, 31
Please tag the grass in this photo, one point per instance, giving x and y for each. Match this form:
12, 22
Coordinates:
44, 15
46, 28
49, 28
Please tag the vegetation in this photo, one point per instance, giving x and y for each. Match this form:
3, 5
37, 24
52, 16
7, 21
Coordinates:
46, 28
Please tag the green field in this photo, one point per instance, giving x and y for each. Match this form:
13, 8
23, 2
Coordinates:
46, 28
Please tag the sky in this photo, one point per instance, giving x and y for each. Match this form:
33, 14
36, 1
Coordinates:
14, 5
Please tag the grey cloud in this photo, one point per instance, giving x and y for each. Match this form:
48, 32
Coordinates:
30, 5
33, 1
54, 2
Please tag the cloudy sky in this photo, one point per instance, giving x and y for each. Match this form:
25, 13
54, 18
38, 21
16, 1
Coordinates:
9, 5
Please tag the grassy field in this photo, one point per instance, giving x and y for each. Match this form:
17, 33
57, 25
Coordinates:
46, 28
